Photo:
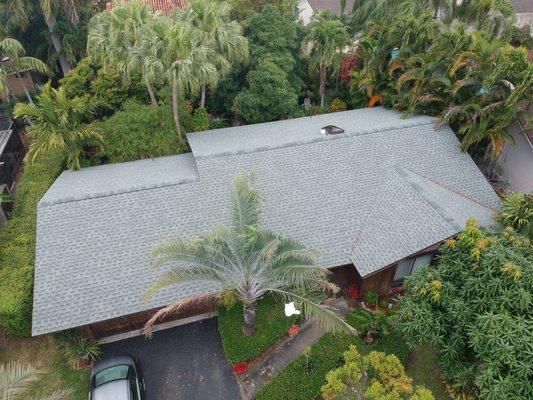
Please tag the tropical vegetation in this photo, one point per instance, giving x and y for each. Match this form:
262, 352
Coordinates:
475, 310
248, 262
373, 376
517, 213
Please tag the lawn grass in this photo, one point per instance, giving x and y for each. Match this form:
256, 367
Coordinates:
44, 352
303, 377
272, 325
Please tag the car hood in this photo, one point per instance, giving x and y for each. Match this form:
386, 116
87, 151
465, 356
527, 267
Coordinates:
115, 390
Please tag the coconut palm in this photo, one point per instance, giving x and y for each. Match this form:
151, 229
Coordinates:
249, 262
323, 45
223, 36
58, 122
517, 213
13, 59
178, 52
114, 39
15, 379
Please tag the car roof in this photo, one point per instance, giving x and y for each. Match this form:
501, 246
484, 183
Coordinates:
115, 390
111, 362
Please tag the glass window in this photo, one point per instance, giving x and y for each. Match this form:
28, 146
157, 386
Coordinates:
412, 265
111, 374
133, 385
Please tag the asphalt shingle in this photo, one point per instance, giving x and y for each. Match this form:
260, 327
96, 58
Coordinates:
385, 189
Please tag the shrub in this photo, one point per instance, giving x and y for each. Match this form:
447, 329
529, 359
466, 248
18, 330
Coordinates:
82, 349
199, 120
141, 131
517, 213
338, 105
17, 244
272, 325
371, 297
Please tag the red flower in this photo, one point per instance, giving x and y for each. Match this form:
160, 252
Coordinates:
293, 330
348, 64
240, 368
354, 291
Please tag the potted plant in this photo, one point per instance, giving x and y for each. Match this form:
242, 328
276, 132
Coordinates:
240, 368
293, 330
81, 353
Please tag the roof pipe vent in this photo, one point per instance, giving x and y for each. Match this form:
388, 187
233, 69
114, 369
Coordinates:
331, 130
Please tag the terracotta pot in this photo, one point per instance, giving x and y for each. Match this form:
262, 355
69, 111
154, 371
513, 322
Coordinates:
293, 330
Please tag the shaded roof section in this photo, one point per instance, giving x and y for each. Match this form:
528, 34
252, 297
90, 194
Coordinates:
385, 176
111, 179
333, 5
409, 213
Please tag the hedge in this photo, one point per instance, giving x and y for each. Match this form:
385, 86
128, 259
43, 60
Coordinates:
272, 325
17, 244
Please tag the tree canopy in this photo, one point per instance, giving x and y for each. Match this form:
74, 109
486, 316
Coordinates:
475, 308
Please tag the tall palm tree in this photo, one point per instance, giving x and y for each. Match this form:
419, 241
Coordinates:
114, 39
13, 59
222, 35
60, 123
249, 262
15, 378
323, 45
178, 51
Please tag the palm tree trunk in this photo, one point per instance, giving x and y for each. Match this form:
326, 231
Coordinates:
452, 12
202, 97
436, 13
150, 89
26, 91
58, 45
322, 88
249, 318
175, 109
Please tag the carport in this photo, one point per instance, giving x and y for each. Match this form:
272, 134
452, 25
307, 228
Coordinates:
182, 363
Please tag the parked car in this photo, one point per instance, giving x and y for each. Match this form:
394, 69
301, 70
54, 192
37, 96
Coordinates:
116, 378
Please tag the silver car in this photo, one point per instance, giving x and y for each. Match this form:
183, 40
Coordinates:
116, 378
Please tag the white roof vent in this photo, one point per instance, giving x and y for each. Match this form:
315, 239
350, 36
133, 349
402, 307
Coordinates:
331, 130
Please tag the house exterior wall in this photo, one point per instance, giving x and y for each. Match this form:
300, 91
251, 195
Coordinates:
15, 86
137, 321
524, 19
305, 11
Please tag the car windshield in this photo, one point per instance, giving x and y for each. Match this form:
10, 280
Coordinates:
111, 374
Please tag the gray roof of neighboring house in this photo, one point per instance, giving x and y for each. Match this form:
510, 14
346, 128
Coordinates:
373, 195
333, 5
522, 6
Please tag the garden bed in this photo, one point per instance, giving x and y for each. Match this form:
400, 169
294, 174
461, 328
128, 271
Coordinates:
272, 326
303, 377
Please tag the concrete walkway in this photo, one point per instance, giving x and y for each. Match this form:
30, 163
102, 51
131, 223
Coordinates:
288, 350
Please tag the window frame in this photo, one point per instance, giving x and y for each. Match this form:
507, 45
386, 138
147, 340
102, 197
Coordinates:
399, 281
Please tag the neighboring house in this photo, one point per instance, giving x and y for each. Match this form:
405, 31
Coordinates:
14, 84
524, 12
307, 8
11, 159
367, 200
516, 161
164, 6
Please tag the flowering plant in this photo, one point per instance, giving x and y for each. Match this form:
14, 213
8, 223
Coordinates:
354, 291
240, 368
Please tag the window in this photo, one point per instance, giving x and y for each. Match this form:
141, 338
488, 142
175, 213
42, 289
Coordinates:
412, 265
111, 374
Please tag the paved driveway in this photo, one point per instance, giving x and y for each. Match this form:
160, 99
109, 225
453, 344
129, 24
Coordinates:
183, 363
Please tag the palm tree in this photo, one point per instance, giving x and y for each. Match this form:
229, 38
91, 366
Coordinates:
323, 45
15, 378
13, 59
60, 123
517, 213
248, 262
223, 36
178, 51
114, 39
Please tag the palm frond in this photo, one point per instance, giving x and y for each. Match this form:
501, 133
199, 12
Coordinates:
245, 204
15, 378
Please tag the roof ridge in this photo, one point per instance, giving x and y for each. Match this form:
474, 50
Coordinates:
450, 189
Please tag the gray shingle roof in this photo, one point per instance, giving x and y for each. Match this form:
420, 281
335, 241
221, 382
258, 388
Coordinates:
385, 189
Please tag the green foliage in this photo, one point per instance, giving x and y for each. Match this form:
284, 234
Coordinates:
375, 376
272, 325
517, 213
371, 296
82, 349
199, 120
58, 122
338, 105
374, 324
17, 244
242, 8
269, 95
141, 131
475, 309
